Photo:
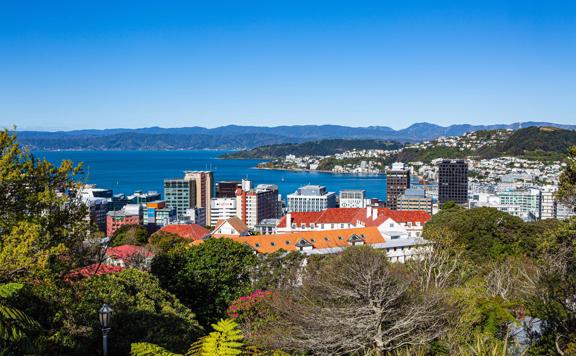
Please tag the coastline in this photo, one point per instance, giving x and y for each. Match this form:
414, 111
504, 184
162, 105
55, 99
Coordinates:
317, 171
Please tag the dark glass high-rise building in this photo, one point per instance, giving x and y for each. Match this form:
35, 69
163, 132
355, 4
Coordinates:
397, 181
227, 189
453, 182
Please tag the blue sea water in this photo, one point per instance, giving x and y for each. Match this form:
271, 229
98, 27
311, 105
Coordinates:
128, 171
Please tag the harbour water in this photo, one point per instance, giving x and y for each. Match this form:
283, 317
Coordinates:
128, 171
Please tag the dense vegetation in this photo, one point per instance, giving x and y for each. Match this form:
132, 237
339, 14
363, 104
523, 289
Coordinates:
487, 275
313, 148
538, 143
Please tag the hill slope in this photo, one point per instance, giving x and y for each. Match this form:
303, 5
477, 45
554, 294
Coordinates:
312, 148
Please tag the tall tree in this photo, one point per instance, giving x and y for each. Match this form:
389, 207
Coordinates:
356, 303
207, 277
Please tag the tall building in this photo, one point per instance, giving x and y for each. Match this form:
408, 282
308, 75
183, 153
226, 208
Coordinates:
204, 181
227, 189
222, 209
180, 194
397, 181
453, 182
311, 198
260, 203
157, 213
352, 199
549, 207
99, 203
414, 199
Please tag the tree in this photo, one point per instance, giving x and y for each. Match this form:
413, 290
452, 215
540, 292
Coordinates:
14, 324
277, 270
39, 210
206, 277
567, 187
356, 303
143, 312
164, 241
130, 235
486, 234
225, 340
555, 292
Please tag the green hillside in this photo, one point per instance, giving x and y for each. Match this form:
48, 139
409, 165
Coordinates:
312, 148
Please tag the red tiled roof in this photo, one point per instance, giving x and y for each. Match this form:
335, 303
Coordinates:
126, 251
353, 215
93, 270
187, 231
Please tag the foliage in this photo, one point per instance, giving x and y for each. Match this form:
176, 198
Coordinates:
277, 270
567, 186
143, 312
130, 235
14, 324
253, 312
225, 340
353, 303
147, 349
206, 277
42, 222
486, 233
165, 241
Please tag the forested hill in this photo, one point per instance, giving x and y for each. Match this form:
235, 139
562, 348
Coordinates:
313, 148
542, 143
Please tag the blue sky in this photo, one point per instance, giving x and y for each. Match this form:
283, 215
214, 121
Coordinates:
102, 64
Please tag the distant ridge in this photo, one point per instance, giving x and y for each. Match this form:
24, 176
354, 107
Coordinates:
242, 137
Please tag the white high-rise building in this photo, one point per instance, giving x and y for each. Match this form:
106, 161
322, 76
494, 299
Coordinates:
222, 209
311, 198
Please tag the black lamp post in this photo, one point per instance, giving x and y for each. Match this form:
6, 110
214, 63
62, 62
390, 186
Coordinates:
105, 314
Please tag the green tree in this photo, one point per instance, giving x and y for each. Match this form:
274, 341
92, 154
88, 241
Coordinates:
165, 241
14, 324
143, 312
40, 211
130, 235
206, 277
567, 187
485, 234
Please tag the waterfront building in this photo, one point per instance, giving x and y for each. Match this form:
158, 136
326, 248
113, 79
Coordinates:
180, 194
311, 198
352, 198
397, 181
99, 203
130, 214
227, 189
204, 181
260, 203
222, 208
414, 199
453, 182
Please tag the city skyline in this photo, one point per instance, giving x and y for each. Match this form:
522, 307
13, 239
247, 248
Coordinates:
70, 65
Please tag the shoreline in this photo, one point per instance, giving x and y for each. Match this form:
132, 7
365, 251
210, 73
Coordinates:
317, 170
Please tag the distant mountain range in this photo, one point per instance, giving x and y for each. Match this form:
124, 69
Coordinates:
241, 137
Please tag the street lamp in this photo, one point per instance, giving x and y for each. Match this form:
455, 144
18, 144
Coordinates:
105, 314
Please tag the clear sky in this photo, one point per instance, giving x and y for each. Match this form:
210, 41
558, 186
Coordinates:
102, 64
